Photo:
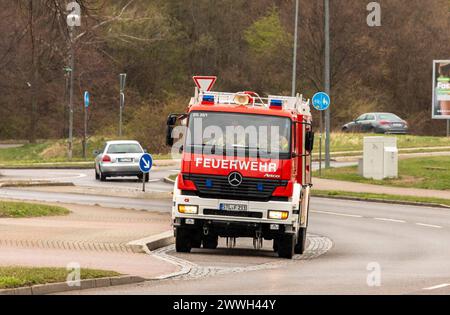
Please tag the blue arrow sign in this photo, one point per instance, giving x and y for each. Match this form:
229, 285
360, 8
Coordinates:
86, 99
146, 163
321, 101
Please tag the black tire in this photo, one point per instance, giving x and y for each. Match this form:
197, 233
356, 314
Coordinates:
147, 177
210, 242
97, 177
183, 241
301, 242
275, 246
196, 243
345, 129
102, 177
286, 246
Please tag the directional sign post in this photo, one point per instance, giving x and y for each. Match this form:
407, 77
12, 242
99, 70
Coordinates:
145, 164
321, 101
123, 81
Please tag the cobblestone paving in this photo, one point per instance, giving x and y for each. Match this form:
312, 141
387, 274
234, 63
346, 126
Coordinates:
317, 246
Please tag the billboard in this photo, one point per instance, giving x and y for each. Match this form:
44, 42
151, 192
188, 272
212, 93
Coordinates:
441, 89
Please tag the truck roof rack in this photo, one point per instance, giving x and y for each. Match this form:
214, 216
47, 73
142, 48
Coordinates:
291, 103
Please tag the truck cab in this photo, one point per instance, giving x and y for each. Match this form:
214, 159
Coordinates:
245, 171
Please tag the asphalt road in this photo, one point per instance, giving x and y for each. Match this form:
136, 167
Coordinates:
399, 249
408, 245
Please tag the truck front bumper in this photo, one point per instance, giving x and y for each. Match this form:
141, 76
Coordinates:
236, 223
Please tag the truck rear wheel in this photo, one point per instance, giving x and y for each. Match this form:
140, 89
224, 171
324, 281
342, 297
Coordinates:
286, 246
183, 241
210, 242
301, 242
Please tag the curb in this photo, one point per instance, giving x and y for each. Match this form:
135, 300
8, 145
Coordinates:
35, 184
395, 202
61, 287
167, 180
148, 244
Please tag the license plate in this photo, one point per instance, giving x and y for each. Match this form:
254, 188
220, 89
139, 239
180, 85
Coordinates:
126, 160
233, 207
398, 125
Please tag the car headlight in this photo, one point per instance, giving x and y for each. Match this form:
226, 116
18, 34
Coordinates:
187, 209
278, 215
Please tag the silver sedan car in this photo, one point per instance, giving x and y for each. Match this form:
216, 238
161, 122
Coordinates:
119, 159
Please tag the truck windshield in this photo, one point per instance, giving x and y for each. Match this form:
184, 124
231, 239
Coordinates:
239, 134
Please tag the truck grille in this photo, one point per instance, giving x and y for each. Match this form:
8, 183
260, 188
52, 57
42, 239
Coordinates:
242, 214
218, 187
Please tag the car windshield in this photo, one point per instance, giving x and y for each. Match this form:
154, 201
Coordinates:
125, 148
231, 132
389, 117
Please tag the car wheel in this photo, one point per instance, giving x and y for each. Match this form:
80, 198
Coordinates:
102, 177
97, 177
345, 129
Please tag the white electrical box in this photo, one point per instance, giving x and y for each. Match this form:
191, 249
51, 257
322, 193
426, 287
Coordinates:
380, 158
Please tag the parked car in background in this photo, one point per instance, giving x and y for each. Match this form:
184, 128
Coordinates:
119, 159
386, 123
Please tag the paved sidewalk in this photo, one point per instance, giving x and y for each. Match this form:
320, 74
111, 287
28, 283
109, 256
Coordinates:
94, 237
327, 184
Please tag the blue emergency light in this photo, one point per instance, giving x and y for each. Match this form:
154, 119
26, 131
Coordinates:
208, 100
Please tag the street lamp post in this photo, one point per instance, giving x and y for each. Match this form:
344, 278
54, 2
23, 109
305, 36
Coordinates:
294, 66
327, 82
72, 68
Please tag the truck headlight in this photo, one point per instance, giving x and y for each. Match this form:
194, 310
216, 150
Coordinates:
187, 209
278, 215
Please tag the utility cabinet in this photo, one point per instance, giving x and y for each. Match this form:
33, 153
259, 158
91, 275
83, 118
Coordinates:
380, 159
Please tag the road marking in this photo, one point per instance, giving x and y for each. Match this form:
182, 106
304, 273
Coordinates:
339, 214
429, 225
440, 286
390, 220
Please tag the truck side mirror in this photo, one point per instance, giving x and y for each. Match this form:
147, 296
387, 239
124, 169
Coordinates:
169, 139
171, 122
309, 144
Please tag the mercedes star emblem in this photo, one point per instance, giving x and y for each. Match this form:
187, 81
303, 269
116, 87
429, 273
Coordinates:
235, 179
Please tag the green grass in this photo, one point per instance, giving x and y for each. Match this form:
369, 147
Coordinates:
28, 210
341, 142
16, 277
425, 173
173, 177
55, 152
383, 197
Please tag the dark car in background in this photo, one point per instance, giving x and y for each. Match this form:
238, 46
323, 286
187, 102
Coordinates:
386, 123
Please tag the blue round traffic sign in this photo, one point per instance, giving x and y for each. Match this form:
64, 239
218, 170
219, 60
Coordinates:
86, 99
321, 101
146, 163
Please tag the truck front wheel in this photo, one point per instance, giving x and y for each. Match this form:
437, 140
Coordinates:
183, 241
210, 241
301, 242
286, 246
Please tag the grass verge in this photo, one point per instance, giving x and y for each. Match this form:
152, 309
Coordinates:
16, 277
29, 210
381, 197
424, 173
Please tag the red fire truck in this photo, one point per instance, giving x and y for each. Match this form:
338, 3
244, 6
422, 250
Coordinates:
235, 185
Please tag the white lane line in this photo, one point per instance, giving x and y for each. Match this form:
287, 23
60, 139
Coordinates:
429, 225
390, 220
339, 214
440, 286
